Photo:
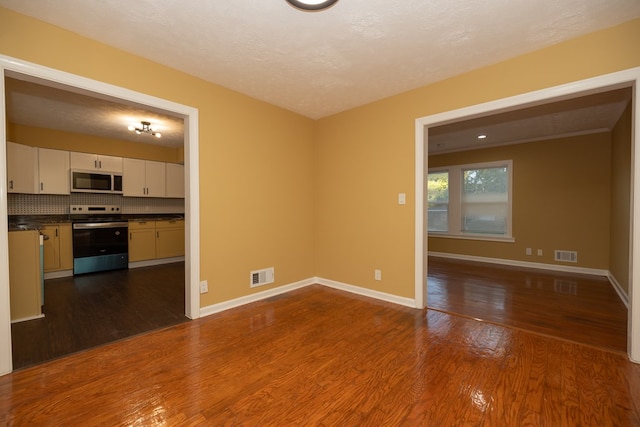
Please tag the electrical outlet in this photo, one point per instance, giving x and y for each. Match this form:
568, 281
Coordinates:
204, 287
528, 251
539, 252
377, 274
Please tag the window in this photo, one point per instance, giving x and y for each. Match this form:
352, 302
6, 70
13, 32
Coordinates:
470, 201
438, 201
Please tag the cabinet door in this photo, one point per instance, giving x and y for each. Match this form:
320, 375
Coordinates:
53, 169
51, 247
133, 178
142, 244
110, 163
24, 275
66, 246
83, 161
89, 161
155, 179
169, 239
175, 180
22, 170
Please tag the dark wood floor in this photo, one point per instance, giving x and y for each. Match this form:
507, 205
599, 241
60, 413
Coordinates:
322, 357
93, 309
579, 308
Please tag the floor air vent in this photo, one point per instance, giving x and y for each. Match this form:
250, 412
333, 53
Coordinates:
566, 256
262, 277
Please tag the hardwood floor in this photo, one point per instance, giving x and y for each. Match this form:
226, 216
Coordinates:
318, 356
93, 309
579, 308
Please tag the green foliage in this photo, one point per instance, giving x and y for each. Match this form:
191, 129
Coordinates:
438, 187
487, 180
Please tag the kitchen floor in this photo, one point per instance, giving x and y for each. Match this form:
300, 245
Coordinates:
93, 309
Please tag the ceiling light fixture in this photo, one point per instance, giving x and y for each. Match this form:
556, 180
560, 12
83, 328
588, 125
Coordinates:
482, 136
146, 128
312, 5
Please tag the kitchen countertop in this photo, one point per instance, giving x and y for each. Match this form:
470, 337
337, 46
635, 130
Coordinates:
36, 222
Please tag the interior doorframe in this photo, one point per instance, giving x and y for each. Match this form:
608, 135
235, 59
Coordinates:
189, 114
626, 78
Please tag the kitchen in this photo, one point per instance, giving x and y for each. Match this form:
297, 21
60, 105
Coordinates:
87, 203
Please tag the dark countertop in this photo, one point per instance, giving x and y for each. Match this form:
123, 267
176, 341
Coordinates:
36, 222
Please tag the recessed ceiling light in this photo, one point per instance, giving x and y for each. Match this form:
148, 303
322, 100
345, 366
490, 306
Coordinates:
312, 5
482, 136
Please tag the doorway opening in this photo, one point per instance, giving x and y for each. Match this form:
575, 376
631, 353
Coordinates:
38, 74
624, 79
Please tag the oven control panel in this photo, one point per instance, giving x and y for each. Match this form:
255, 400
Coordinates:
94, 209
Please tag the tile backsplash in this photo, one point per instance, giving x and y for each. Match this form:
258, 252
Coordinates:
50, 204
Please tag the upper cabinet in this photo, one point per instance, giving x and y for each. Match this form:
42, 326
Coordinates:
143, 178
53, 169
175, 180
87, 161
22, 168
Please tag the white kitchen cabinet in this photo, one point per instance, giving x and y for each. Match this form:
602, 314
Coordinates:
22, 170
143, 178
53, 170
99, 162
175, 180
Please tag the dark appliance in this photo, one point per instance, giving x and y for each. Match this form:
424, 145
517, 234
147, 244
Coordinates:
96, 182
100, 239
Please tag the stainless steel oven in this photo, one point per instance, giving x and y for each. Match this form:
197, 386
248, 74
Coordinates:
100, 243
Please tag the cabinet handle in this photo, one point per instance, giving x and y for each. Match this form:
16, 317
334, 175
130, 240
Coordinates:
11, 184
99, 164
56, 233
95, 164
42, 186
130, 236
157, 234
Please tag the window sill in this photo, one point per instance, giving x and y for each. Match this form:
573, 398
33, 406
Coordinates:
483, 237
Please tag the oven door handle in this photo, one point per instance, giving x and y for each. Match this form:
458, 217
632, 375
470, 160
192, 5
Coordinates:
81, 225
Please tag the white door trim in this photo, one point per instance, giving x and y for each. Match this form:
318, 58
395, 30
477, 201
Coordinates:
626, 78
14, 67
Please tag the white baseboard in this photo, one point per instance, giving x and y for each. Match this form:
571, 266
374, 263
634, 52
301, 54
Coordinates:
24, 319
408, 302
226, 305
621, 293
58, 274
525, 264
237, 302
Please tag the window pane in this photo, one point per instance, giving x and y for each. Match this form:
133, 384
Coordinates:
438, 201
485, 200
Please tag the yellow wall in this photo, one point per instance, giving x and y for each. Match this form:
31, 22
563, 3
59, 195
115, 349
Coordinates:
256, 170
50, 138
365, 156
278, 189
561, 200
620, 200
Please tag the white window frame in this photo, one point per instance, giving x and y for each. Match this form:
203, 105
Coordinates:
455, 202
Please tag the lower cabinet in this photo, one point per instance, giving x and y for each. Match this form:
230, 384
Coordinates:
155, 239
142, 240
26, 297
58, 247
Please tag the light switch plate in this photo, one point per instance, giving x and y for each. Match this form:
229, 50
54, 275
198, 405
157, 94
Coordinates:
402, 198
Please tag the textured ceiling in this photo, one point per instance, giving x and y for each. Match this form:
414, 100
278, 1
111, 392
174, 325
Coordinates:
321, 63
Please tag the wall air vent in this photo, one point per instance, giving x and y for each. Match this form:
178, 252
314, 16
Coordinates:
261, 277
566, 256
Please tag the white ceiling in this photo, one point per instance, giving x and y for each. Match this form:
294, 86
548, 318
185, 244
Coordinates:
312, 63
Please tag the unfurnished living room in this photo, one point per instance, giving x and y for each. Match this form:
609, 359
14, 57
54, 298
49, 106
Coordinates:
306, 212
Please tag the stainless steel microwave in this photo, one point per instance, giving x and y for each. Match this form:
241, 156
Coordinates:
95, 182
